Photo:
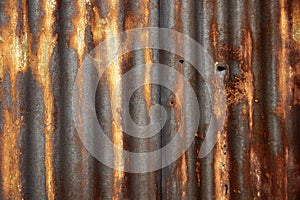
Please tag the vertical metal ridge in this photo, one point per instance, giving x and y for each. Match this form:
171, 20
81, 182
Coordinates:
240, 110
293, 166
207, 183
219, 37
257, 137
139, 15
276, 166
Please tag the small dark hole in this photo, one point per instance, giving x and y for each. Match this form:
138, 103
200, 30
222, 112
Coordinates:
181, 61
226, 189
221, 68
171, 103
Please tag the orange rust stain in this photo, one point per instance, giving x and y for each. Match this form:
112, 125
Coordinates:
147, 54
249, 89
283, 61
114, 77
214, 35
13, 56
101, 29
18, 57
100, 26
198, 165
184, 176
80, 22
10, 156
47, 42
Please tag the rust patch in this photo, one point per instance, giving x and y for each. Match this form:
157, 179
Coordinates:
296, 56
296, 21
17, 56
80, 23
214, 35
284, 65
255, 172
13, 50
235, 91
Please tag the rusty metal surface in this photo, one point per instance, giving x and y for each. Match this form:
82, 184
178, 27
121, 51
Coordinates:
43, 43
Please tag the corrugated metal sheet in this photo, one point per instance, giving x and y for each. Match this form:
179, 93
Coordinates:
43, 43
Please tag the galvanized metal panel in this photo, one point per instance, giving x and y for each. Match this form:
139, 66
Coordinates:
43, 43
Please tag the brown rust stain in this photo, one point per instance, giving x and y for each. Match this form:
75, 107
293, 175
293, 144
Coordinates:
235, 91
241, 88
295, 74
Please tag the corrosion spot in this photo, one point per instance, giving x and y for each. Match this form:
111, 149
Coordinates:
200, 135
171, 103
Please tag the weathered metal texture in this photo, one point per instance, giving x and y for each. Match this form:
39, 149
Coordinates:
43, 43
